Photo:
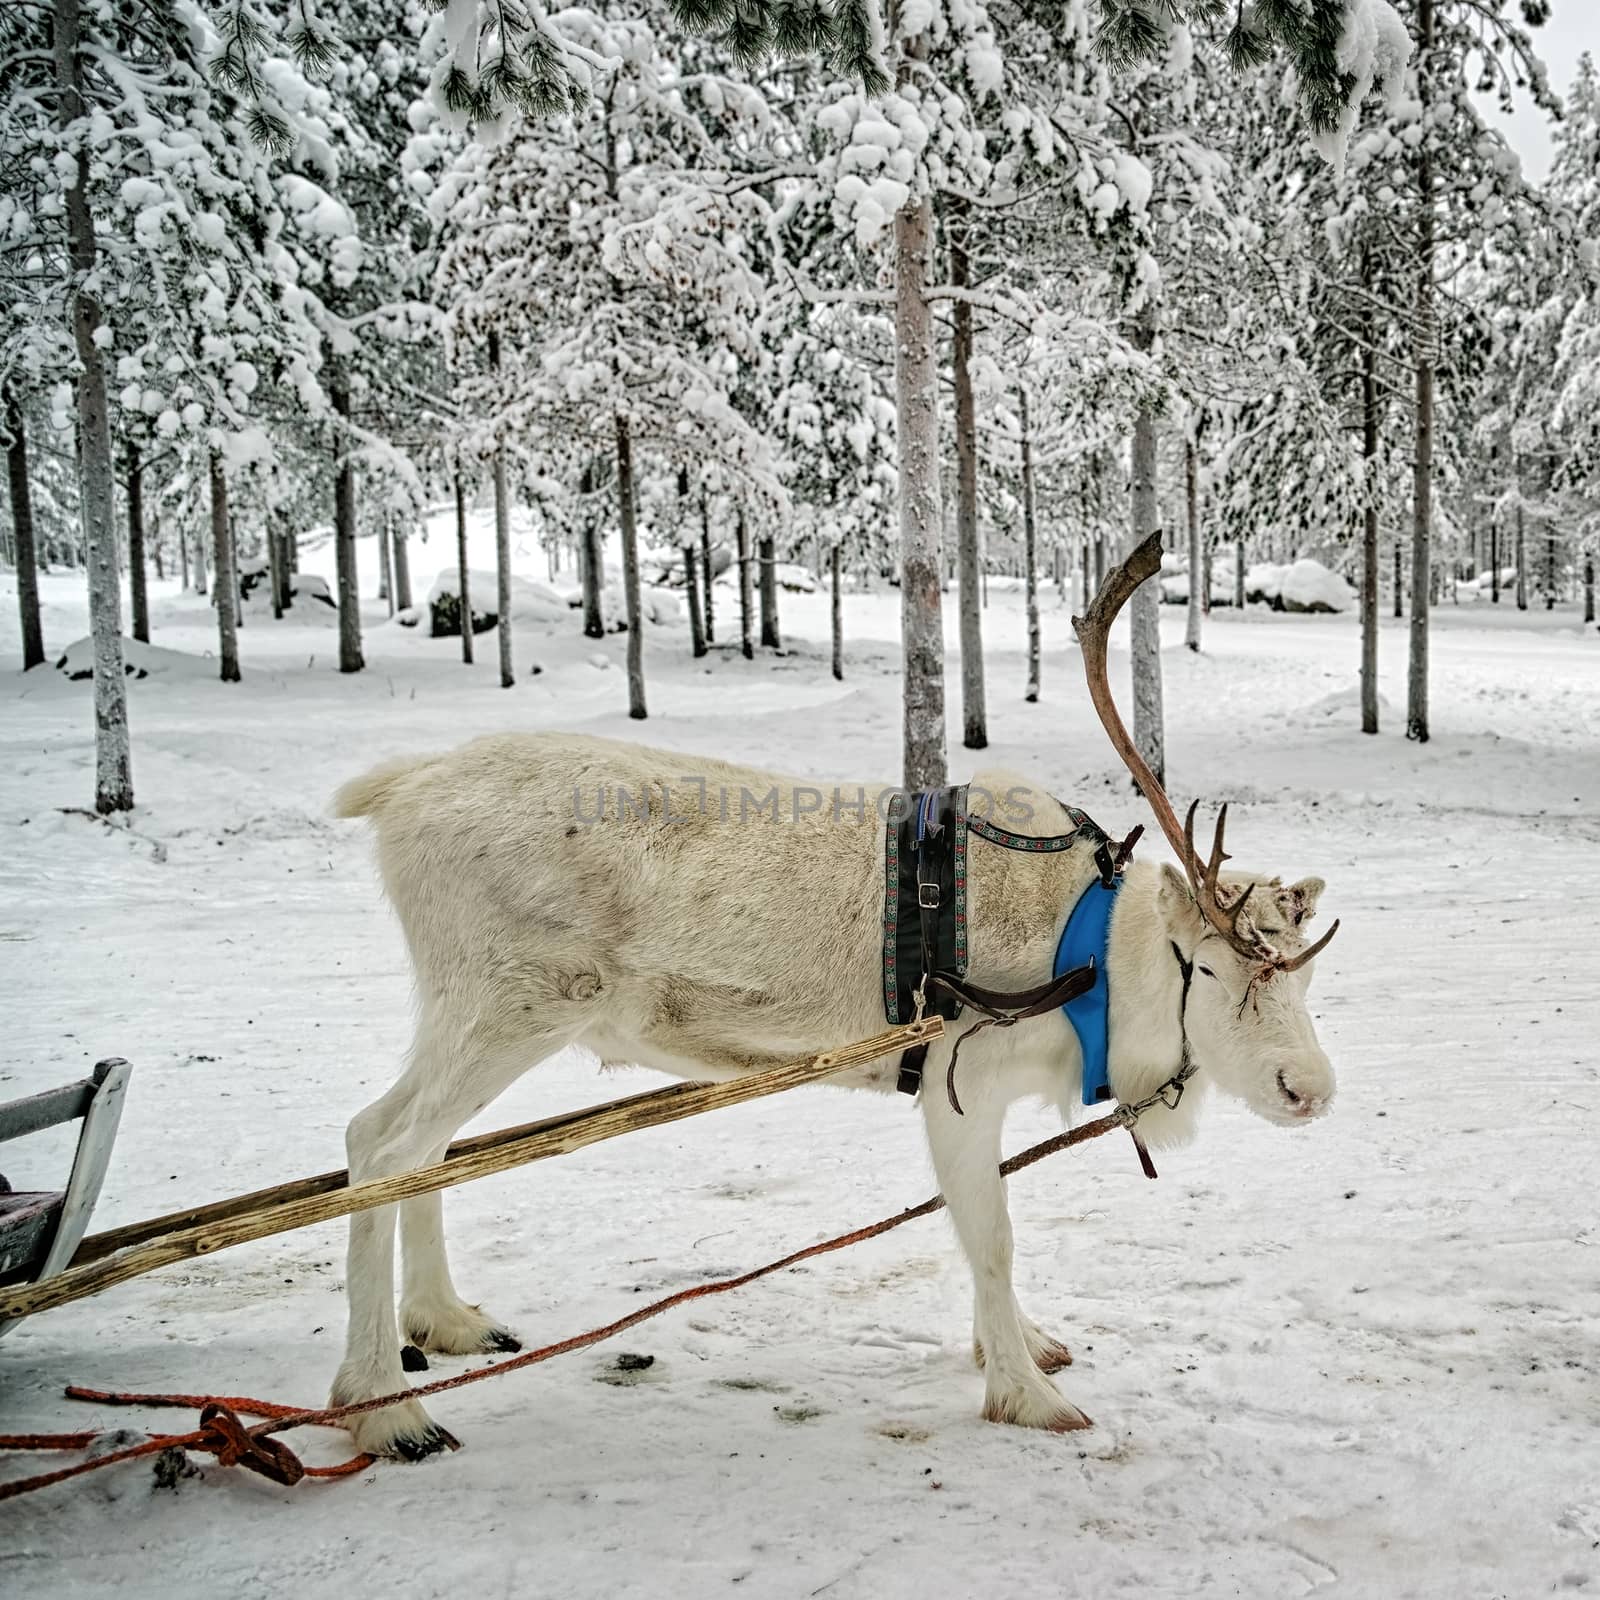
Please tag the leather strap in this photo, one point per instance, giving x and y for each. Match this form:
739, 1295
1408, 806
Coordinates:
1005, 1007
1004, 1010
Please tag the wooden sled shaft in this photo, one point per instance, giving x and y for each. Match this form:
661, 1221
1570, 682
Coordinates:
306, 1201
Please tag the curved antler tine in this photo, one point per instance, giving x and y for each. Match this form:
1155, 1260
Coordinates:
1236, 910
1294, 963
1191, 856
1218, 854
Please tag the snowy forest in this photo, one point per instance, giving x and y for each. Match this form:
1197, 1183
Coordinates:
421, 415
698, 290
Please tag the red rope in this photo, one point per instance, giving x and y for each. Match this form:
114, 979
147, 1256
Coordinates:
222, 1434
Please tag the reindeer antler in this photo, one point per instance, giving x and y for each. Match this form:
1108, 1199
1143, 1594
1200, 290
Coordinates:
1093, 632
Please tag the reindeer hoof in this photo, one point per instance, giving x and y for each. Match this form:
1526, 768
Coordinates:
458, 1330
413, 1360
1032, 1407
430, 1442
404, 1430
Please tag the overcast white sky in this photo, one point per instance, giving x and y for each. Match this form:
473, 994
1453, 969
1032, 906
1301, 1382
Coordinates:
1574, 27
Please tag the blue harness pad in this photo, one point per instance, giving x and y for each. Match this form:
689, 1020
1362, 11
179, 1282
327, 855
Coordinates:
1084, 941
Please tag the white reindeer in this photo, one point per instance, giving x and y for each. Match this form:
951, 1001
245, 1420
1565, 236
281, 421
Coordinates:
688, 931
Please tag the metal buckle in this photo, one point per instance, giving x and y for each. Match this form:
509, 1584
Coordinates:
928, 896
1175, 1091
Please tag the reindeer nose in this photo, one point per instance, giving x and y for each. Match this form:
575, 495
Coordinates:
1301, 1103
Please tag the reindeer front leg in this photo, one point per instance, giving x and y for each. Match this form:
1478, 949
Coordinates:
966, 1158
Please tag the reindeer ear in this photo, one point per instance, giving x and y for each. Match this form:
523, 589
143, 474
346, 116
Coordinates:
1300, 899
1175, 899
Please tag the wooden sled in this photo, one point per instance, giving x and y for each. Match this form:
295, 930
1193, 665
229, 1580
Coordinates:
40, 1232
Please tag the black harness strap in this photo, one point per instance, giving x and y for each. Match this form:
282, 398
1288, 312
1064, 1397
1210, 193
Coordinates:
931, 922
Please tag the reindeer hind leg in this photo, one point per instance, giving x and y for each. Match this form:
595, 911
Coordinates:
453, 1074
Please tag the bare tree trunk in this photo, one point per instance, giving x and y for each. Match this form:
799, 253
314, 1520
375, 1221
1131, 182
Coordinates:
226, 584
463, 594
1369, 531
502, 538
591, 562
834, 563
136, 575
1099, 562
1205, 586
691, 587
277, 574
1494, 558
1030, 548
24, 549
630, 571
402, 568
691, 580
1084, 575
1522, 553
183, 555
974, 716
502, 561
1238, 575
1422, 486
1588, 588
113, 761
1191, 493
385, 571
769, 595
1550, 572
746, 605
707, 574
916, 374
344, 526
1149, 734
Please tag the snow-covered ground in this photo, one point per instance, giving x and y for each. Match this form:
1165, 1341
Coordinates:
1361, 1359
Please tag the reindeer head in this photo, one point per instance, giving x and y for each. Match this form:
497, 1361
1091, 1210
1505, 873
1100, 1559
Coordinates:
1240, 938
1246, 1016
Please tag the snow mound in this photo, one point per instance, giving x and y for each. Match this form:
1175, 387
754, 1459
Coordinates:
138, 661
796, 579
1262, 580
311, 586
661, 605
1482, 586
531, 601
1304, 585
311, 601
656, 605
1341, 702
664, 566
1310, 586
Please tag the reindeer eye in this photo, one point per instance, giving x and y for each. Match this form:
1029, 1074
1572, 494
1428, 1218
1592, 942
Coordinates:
1207, 970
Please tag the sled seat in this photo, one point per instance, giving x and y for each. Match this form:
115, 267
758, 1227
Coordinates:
41, 1229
